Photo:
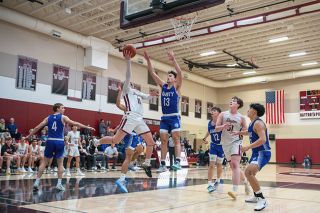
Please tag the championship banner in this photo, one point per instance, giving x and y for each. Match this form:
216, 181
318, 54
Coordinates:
89, 82
309, 104
154, 101
60, 80
184, 106
209, 106
26, 73
113, 90
197, 108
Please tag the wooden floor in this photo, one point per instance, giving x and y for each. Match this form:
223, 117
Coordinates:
286, 189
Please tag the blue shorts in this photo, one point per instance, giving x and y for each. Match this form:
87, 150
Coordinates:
260, 158
217, 150
131, 141
170, 124
54, 149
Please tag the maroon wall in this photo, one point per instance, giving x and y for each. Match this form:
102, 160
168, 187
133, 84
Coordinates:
28, 115
298, 147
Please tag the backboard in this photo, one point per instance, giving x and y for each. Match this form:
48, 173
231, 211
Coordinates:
134, 13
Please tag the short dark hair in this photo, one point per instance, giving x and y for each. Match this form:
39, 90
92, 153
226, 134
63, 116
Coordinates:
8, 138
239, 101
216, 109
173, 73
259, 108
56, 106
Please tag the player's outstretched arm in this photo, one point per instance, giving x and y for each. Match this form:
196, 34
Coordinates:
177, 67
38, 127
151, 70
75, 123
146, 96
118, 102
126, 85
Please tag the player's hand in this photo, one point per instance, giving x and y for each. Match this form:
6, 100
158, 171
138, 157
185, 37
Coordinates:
204, 139
171, 55
91, 128
127, 54
154, 93
244, 148
226, 126
119, 88
146, 56
236, 133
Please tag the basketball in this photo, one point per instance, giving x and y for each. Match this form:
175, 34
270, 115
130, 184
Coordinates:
131, 49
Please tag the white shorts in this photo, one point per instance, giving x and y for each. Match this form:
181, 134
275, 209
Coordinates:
132, 122
74, 151
232, 149
42, 148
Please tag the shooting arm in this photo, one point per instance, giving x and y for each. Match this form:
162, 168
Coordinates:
126, 85
38, 127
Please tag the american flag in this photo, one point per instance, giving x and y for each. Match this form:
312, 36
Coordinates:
275, 107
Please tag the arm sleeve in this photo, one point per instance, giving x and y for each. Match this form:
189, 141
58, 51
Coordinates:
126, 85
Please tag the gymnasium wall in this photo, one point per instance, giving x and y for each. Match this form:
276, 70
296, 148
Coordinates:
294, 128
48, 51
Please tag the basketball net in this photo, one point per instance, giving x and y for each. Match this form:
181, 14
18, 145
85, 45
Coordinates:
182, 25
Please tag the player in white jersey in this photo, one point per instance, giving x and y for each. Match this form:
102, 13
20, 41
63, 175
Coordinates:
73, 150
34, 154
22, 151
133, 118
230, 122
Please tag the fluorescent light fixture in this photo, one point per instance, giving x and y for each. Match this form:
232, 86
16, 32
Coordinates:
249, 73
222, 27
280, 15
249, 21
274, 40
296, 54
309, 63
154, 42
232, 65
199, 32
208, 53
168, 39
138, 45
309, 8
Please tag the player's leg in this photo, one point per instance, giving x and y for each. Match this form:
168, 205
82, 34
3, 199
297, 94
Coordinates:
212, 162
175, 132
76, 154
70, 156
40, 172
150, 143
59, 151
164, 137
121, 182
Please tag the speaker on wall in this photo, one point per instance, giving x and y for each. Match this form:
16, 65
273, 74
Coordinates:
272, 137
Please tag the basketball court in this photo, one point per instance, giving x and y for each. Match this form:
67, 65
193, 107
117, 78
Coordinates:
225, 48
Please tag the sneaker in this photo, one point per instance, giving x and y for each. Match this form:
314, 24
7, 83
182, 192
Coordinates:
30, 170
60, 187
233, 195
176, 166
23, 170
55, 169
147, 170
162, 169
35, 187
131, 167
102, 169
113, 168
252, 199
210, 188
261, 204
122, 186
247, 188
79, 173
8, 172
96, 142
68, 174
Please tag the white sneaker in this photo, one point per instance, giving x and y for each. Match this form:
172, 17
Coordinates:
30, 170
247, 188
55, 169
60, 187
23, 170
68, 174
261, 204
162, 169
252, 199
79, 173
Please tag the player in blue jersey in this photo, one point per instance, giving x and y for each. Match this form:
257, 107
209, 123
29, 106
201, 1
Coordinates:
261, 154
55, 143
170, 120
216, 154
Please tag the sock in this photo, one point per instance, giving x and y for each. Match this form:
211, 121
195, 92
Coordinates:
163, 162
245, 181
218, 180
210, 182
123, 177
78, 170
67, 170
147, 162
37, 181
178, 160
259, 194
235, 188
59, 181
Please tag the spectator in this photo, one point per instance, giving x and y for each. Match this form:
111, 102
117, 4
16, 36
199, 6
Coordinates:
22, 151
91, 158
111, 153
83, 154
86, 133
8, 151
293, 161
44, 134
2, 128
101, 157
310, 160
306, 162
13, 129
172, 155
102, 128
34, 155
1, 157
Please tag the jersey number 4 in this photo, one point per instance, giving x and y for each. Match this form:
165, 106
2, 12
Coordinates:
54, 126
166, 101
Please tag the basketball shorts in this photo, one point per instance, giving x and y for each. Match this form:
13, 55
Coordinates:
74, 151
54, 149
216, 152
131, 122
169, 124
131, 141
230, 149
260, 158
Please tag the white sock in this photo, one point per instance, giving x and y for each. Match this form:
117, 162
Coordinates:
123, 177
59, 182
147, 162
218, 180
209, 182
258, 192
235, 188
79, 170
245, 181
37, 181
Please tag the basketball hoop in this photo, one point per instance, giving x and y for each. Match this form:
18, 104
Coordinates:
182, 26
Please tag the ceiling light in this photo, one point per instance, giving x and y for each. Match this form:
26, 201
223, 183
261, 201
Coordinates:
231, 65
208, 53
297, 54
249, 73
274, 40
310, 63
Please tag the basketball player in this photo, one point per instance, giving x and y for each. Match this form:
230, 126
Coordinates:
34, 155
74, 145
55, 143
229, 122
261, 154
22, 151
170, 120
133, 118
216, 154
